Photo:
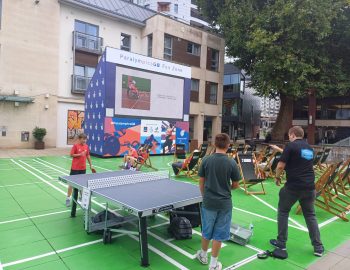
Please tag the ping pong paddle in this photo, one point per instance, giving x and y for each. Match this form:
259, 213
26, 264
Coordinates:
93, 170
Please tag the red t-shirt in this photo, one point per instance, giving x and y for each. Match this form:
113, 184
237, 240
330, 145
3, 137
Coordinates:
79, 163
133, 153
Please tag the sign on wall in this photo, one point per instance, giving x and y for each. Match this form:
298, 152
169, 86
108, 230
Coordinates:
75, 125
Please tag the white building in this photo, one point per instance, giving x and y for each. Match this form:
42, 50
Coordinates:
183, 10
269, 112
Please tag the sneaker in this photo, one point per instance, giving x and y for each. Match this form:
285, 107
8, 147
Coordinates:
68, 202
319, 251
202, 259
277, 244
217, 267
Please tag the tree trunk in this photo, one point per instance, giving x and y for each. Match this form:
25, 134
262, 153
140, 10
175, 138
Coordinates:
284, 119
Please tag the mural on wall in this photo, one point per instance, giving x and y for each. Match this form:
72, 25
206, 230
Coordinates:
75, 125
182, 133
168, 137
151, 135
119, 134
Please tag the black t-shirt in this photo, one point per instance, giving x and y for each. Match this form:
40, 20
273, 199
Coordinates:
298, 156
218, 171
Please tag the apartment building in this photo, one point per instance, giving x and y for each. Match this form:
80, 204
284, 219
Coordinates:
183, 10
60, 57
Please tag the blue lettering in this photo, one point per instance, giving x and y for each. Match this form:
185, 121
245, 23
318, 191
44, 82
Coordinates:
307, 154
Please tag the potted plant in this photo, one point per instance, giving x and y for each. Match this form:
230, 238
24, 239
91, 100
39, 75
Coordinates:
39, 134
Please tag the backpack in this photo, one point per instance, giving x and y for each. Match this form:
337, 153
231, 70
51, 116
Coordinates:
191, 212
277, 253
180, 228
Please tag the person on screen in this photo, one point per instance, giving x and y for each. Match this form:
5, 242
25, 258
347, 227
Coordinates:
168, 138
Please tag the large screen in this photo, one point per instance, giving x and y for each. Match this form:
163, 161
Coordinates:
141, 93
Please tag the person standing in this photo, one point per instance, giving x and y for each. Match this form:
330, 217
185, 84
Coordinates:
297, 160
80, 153
218, 175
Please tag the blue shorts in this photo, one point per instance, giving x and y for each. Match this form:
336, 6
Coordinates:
216, 224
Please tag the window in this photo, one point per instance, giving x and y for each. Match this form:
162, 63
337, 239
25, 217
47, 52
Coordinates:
232, 83
176, 8
194, 90
163, 7
214, 60
149, 45
86, 28
168, 47
125, 42
211, 93
193, 48
86, 36
84, 71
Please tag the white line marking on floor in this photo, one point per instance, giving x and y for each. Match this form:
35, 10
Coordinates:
23, 184
163, 255
275, 209
241, 263
31, 217
330, 220
178, 249
67, 249
267, 218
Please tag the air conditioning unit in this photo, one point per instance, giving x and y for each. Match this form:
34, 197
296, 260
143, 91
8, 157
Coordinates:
16, 104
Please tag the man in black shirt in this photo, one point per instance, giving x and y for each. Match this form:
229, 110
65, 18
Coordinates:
297, 160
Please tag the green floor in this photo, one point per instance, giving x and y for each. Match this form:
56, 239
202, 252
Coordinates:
36, 231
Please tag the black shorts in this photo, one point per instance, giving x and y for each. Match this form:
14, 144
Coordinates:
75, 172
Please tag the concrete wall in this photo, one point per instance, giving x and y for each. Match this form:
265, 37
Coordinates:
29, 64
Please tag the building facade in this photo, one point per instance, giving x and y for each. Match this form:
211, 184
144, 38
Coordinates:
332, 118
241, 108
182, 10
56, 76
269, 112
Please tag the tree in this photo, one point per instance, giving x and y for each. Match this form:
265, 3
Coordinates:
287, 47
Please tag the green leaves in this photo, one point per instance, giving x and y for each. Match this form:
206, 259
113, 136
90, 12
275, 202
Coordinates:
287, 46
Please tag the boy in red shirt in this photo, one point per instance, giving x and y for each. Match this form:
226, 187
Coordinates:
80, 153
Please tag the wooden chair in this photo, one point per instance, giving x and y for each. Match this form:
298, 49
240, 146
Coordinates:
321, 165
188, 168
144, 158
180, 151
246, 163
324, 198
343, 182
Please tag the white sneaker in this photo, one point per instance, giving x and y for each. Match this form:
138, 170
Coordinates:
217, 267
201, 258
68, 202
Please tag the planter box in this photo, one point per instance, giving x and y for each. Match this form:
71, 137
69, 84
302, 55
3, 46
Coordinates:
39, 145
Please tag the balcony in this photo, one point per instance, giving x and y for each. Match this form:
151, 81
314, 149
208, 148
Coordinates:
87, 43
79, 84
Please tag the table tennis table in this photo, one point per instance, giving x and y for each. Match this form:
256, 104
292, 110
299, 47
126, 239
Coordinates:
139, 194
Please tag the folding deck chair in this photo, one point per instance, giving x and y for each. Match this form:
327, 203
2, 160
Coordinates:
271, 164
321, 163
324, 198
180, 151
144, 158
189, 168
343, 182
248, 173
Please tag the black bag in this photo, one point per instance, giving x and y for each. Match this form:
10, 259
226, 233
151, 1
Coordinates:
191, 212
180, 228
277, 253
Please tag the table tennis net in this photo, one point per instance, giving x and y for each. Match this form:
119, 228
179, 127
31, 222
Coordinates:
127, 179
